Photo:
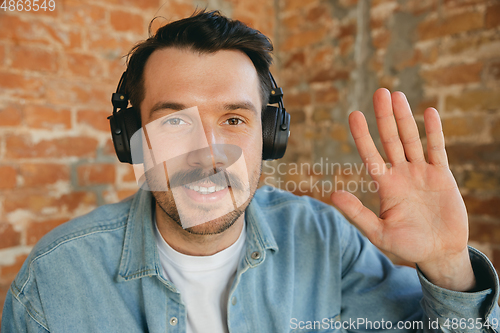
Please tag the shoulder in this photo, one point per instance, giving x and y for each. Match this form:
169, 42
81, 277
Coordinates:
102, 219
91, 228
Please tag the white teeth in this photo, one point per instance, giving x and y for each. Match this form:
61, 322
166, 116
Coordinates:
205, 190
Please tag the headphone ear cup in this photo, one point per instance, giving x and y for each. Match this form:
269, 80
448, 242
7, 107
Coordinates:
274, 132
124, 124
269, 122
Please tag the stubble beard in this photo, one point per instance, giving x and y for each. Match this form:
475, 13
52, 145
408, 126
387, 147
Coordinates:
166, 202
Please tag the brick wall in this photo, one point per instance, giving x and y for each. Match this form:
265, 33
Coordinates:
334, 54
58, 69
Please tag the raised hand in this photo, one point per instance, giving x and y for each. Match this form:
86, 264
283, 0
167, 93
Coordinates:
422, 214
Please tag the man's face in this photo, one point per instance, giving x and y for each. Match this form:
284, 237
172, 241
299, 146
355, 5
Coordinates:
201, 117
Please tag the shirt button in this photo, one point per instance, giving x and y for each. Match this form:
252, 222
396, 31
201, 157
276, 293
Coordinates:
256, 255
233, 300
173, 321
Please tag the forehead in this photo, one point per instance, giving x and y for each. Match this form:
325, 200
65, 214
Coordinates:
188, 77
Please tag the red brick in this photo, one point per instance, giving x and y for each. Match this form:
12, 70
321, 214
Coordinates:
324, 54
175, 10
321, 114
494, 70
461, 3
327, 95
330, 74
457, 74
348, 29
107, 44
304, 38
122, 194
481, 179
37, 116
143, 4
291, 5
297, 117
346, 45
43, 174
495, 130
84, 65
292, 22
21, 146
297, 100
463, 126
482, 206
118, 195
10, 116
295, 59
2, 55
95, 119
19, 81
8, 176
467, 21
36, 230
8, 236
84, 13
67, 92
108, 148
9, 272
418, 7
95, 174
317, 13
474, 100
430, 102
382, 39
125, 21
474, 153
37, 202
348, 3
129, 176
116, 68
35, 31
492, 16
34, 59
339, 132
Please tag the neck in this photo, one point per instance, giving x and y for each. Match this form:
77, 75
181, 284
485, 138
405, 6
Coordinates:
193, 244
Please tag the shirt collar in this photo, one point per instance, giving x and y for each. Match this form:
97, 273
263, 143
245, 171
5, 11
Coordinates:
140, 254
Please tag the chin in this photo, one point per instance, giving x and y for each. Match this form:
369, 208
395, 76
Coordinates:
216, 226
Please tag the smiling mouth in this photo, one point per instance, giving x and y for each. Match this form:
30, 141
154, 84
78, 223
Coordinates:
205, 189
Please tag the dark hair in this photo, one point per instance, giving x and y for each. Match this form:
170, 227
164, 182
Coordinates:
204, 32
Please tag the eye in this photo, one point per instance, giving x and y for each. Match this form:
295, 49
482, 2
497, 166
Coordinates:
234, 121
174, 122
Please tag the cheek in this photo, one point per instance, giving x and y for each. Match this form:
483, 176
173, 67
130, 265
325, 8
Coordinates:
253, 151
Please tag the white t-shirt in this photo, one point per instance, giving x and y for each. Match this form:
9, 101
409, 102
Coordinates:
203, 281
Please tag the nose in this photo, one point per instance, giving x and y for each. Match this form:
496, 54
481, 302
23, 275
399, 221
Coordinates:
210, 157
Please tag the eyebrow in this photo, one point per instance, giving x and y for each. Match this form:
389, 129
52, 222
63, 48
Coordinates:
246, 105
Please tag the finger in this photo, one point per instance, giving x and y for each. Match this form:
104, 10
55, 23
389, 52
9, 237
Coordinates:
435, 138
364, 218
387, 126
408, 130
364, 143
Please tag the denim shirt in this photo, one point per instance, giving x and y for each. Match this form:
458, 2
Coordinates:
304, 269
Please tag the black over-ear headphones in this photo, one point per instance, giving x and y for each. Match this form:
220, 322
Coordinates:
125, 121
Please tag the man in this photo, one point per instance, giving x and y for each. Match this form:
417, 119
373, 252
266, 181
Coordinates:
174, 258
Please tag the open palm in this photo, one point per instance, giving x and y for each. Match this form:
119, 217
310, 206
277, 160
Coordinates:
422, 214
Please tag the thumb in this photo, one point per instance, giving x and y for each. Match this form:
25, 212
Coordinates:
362, 217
